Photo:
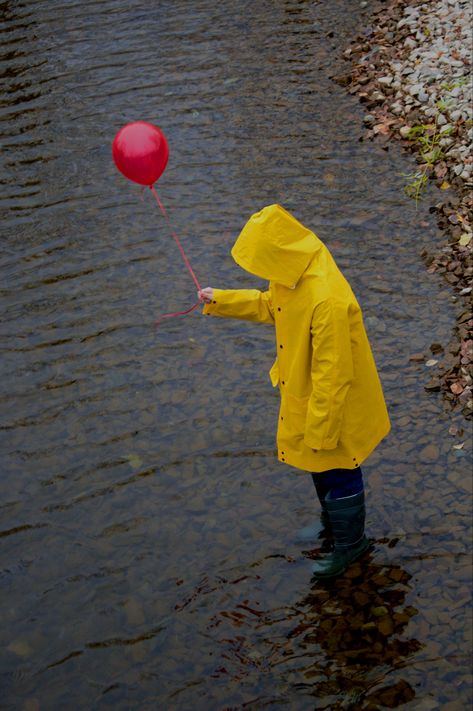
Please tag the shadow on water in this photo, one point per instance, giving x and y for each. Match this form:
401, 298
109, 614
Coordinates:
147, 535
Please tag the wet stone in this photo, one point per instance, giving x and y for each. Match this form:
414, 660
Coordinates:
417, 357
462, 480
430, 453
433, 385
404, 421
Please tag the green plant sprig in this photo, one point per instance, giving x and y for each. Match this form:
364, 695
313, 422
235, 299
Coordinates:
428, 137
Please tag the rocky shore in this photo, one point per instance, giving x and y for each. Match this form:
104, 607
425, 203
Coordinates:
411, 69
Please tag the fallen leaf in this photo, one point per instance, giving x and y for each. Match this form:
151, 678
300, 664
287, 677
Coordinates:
382, 128
464, 240
445, 185
20, 647
134, 460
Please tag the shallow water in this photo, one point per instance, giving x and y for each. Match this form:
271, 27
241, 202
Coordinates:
149, 557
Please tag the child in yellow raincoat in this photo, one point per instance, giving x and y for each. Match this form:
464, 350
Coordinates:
332, 413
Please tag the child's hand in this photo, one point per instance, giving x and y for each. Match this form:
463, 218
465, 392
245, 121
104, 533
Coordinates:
206, 295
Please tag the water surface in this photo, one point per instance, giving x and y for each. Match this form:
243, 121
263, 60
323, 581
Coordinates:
149, 556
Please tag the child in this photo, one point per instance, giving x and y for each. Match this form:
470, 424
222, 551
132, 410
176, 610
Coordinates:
332, 412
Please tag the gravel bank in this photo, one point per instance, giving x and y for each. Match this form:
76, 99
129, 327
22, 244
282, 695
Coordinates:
411, 69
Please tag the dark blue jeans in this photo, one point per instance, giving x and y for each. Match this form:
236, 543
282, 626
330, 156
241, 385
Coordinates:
340, 483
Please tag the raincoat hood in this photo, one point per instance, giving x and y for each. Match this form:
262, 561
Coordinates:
275, 246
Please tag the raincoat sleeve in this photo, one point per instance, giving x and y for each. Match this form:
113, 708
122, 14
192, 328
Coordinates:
246, 304
332, 374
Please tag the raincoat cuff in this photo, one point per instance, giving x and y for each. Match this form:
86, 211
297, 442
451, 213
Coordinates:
213, 306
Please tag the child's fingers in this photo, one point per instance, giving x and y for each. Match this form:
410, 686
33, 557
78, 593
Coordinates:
205, 295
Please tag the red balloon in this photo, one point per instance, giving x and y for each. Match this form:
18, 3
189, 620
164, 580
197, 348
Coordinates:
140, 152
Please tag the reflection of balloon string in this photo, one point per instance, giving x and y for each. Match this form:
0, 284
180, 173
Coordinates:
176, 239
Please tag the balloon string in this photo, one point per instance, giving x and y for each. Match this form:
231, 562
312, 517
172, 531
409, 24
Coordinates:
176, 239
178, 313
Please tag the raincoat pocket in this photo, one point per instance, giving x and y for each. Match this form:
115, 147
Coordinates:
297, 413
274, 373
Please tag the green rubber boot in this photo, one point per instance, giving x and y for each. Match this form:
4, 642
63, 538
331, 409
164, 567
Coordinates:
347, 521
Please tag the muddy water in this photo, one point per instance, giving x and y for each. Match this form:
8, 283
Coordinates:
149, 556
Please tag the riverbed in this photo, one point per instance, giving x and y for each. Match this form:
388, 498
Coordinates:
149, 551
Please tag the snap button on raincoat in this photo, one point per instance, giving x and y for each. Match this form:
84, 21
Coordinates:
332, 412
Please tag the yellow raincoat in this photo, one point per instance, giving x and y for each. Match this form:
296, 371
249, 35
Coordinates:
332, 412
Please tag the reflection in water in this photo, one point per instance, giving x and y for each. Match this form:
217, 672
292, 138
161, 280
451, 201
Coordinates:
337, 646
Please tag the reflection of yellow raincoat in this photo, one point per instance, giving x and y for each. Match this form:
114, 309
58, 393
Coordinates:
331, 396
